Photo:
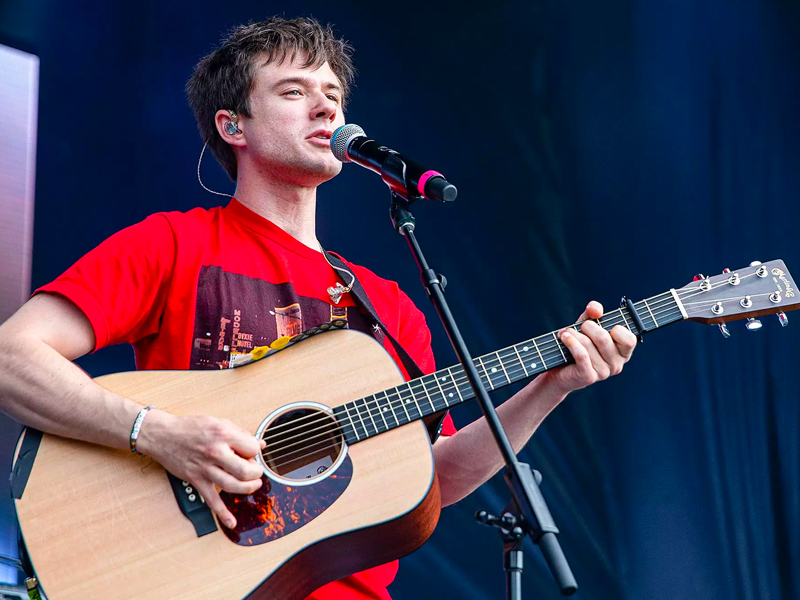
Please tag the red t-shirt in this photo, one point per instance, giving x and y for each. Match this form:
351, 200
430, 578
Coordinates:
189, 290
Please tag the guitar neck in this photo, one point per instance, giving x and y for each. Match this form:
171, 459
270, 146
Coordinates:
439, 391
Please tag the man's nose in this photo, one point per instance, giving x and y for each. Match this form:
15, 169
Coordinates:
325, 108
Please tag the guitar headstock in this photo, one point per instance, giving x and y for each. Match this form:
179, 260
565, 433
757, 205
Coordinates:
760, 289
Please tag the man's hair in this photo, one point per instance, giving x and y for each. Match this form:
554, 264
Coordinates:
224, 79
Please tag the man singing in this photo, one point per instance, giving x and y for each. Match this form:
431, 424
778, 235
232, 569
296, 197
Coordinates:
178, 285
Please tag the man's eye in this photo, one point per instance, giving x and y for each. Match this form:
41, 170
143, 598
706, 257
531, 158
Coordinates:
333, 97
292, 92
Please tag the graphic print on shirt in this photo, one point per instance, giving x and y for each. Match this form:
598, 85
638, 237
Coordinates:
288, 320
236, 313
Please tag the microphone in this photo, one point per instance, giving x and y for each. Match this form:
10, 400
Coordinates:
349, 143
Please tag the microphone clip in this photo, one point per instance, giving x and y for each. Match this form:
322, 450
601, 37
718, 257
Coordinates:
402, 219
393, 173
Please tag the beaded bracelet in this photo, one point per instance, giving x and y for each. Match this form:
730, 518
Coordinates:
137, 427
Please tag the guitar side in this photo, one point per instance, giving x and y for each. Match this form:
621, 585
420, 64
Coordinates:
99, 522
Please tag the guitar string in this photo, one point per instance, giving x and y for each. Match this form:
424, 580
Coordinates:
280, 449
327, 424
332, 423
656, 302
282, 454
544, 347
281, 457
336, 445
731, 299
310, 446
547, 350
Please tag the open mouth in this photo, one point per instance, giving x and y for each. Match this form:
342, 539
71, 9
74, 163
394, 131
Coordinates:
320, 139
322, 135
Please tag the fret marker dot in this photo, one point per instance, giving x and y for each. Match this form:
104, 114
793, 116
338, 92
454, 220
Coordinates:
444, 378
533, 365
525, 348
385, 408
494, 369
450, 394
408, 401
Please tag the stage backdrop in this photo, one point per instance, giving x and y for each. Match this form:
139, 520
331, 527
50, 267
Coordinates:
599, 149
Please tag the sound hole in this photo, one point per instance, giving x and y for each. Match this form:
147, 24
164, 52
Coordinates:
302, 444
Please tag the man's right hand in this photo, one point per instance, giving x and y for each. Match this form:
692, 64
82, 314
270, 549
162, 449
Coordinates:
206, 451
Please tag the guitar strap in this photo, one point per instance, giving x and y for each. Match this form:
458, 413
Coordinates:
433, 423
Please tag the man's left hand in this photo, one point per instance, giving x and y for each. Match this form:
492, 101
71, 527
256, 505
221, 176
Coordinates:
467, 459
598, 353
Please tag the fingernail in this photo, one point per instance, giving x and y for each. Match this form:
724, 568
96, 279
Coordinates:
565, 334
230, 523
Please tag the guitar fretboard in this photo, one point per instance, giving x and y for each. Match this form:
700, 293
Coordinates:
434, 393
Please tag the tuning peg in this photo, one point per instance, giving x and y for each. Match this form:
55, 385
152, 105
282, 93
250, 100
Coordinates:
725, 271
783, 319
723, 329
755, 263
753, 324
698, 277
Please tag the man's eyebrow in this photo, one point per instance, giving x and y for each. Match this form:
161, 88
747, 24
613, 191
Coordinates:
308, 82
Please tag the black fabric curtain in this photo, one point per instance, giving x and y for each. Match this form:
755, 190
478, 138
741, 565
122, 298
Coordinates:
600, 149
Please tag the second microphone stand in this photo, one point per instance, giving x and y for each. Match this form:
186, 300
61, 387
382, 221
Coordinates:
528, 513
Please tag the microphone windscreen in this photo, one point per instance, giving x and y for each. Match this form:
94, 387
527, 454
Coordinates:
341, 139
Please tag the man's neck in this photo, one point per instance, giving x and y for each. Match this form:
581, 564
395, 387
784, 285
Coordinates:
290, 207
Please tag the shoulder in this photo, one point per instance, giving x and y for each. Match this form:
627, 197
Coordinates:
191, 220
164, 223
171, 229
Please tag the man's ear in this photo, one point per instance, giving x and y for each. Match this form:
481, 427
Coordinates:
229, 127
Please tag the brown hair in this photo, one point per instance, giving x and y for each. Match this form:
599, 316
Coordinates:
224, 79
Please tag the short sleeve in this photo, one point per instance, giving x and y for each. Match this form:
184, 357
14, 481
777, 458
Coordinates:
415, 337
121, 286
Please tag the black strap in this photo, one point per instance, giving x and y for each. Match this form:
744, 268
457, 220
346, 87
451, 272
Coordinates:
433, 423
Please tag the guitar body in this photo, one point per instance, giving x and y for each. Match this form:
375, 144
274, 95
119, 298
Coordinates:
99, 522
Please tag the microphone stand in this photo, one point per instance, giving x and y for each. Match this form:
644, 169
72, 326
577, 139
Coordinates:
528, 513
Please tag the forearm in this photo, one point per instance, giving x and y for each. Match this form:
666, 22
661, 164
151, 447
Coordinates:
469, 458
41, 388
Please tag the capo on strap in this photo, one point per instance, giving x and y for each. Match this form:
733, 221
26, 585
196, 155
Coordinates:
627, 303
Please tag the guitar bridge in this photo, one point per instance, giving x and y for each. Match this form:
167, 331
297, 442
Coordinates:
193, 506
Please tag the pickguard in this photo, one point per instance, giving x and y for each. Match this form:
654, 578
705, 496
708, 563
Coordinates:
276, 510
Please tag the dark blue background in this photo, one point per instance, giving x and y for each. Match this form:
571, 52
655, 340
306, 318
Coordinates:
599, 149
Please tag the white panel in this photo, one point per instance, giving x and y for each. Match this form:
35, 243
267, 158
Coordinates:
19, 96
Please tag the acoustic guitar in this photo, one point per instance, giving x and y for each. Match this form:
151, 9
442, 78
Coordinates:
349, 479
